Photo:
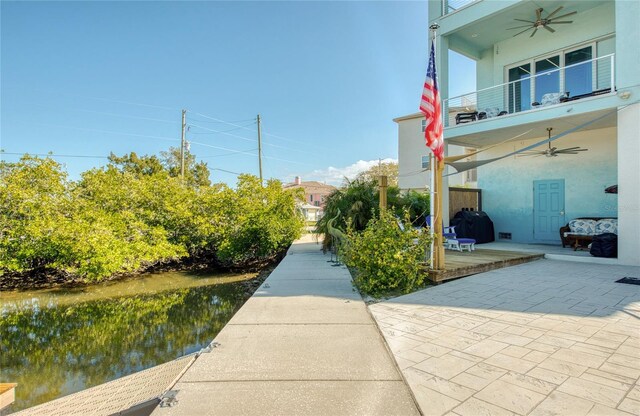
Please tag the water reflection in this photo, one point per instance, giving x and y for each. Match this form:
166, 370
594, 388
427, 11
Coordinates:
56, 344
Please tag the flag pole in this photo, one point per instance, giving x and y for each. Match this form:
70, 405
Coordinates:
437, 262
432, 196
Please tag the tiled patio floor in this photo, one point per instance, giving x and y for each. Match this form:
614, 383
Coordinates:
543, 338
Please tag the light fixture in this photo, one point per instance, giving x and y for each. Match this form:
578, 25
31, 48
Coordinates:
624, 94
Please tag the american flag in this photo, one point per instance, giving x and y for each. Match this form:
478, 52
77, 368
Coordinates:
430, 106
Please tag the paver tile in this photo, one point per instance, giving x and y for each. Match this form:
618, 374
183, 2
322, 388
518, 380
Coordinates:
589, 390
485, 348
577, 357
600, 410
432, 402
587, 375
477, 407
445, 367
528, 382
516, 351
562, 404
449, 388
510, 363
620, 370
510, 397
536, 356
563, 367
625, 360
630, 406
432, 349
548, 375
473, 382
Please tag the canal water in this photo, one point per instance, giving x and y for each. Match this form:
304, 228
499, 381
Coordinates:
56, 342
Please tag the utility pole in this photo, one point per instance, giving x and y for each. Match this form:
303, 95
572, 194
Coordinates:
182, 143
259, 149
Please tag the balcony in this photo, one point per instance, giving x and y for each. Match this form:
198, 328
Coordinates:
450, 6
527, 92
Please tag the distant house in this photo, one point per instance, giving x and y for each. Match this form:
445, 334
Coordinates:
315, 194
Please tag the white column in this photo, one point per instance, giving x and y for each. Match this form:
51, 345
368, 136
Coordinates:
629, 185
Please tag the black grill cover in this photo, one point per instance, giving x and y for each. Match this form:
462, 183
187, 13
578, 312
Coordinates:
474, 224
604, 245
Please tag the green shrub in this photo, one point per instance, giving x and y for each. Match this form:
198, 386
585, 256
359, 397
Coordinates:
385, 257
134, 213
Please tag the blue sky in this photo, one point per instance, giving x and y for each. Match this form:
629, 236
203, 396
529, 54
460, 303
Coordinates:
88, 78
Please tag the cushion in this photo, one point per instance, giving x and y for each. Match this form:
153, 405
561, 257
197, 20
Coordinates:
584, 227
492, 111
551, 98
608, 225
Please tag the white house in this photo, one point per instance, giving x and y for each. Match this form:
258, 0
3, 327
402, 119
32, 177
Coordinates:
547, 65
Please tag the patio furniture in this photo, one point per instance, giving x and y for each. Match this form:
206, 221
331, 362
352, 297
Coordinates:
462, 118
460, 244
579, 232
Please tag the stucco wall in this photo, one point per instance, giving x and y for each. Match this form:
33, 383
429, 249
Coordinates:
507, 185
411, 147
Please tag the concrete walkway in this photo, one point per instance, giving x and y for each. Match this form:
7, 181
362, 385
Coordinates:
304, 344
542, 338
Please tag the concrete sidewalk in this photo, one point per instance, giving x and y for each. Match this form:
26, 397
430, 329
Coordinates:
303, 344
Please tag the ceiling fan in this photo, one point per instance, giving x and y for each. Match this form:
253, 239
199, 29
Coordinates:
554, 151
542, 22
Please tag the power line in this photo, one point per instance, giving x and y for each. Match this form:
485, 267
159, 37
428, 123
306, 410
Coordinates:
227, 171
228, 154
217, 120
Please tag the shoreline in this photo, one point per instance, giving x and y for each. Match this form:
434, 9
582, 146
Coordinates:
43, 278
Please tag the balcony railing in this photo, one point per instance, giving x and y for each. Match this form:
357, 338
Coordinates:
532, 92
450, 6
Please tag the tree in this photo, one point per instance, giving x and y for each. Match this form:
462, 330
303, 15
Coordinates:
132, 163
195, 174
388, 169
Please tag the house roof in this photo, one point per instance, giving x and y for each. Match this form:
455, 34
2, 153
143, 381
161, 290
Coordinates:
311, 186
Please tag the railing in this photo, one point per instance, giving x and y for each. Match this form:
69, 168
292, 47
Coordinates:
450, 6
532, 92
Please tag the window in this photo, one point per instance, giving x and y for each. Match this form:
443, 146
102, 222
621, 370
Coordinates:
578, 77
424, 125
548, 79
425, 162
570, 71
311, 197
520, 91
317, 203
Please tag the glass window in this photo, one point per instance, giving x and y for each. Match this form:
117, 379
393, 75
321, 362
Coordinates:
424, 125
548, 78
311, 197
425, 162
578, 77
520, 88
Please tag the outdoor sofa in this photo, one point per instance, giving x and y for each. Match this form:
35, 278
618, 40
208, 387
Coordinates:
579, 232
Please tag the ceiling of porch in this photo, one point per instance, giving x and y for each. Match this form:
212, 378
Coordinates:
533, 130
484, 33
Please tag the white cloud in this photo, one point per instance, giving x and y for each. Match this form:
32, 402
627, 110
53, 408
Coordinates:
335, 176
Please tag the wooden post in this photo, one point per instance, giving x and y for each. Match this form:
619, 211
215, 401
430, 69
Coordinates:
382, 182
438, 262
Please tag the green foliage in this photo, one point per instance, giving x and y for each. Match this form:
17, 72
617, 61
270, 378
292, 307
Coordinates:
388, 169
358, 202
263, 222
134, 213
385, 257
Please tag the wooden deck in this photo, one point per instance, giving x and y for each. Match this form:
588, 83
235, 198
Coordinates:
7, 394
480, 260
